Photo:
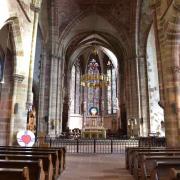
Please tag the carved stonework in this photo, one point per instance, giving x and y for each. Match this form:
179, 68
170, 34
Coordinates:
174, 69
18, 78
177, 4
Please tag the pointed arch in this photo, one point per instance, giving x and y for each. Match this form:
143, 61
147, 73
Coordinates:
17, 41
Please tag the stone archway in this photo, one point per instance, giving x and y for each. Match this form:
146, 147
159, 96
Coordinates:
79, 49
17, 77
6, 84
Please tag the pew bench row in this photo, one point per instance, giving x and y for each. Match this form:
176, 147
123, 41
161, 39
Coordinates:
32, 163
152, 163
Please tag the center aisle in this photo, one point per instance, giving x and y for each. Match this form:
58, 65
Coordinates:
95, 167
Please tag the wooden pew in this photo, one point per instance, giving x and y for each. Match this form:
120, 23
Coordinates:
147, 164
54, 154
61, 152
46, 159
162, 168
134, 154
130, 150
138, 160
36, 171
174, 174
14, 173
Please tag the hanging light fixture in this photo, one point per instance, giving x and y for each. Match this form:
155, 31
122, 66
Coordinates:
94, 79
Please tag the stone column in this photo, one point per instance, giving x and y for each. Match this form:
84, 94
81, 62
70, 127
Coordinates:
35, 6
136, 90
59, 99
168, 34
15, 123
118, 113
41, 111
144, 121
65, 111
171, 62
53, 96
172, 99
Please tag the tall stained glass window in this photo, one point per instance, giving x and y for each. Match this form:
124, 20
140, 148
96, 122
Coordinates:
111, 89
75, 89
93, 94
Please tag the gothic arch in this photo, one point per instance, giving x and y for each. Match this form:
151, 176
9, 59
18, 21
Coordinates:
123, 38
17, 41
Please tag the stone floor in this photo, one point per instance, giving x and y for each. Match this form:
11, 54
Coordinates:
95, 167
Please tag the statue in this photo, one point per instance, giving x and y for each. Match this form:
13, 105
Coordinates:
31, 124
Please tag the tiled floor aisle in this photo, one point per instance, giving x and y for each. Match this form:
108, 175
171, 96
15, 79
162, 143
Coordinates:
95, 167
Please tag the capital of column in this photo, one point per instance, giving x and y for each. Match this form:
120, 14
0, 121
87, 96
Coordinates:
18, 78
174, 69
140, 57
36, 5
176, 4
55, 56
130, 58
155, 3
34, 8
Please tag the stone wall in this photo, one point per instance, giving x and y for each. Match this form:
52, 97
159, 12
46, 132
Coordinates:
20, 15
167, 16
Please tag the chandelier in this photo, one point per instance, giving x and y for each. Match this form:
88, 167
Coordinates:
94, 80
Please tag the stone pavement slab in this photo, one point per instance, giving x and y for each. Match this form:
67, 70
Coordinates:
95, 167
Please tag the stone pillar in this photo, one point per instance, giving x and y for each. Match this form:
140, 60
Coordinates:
35, 6
55, 101
118, 113
144, 121
41, 111
136, 91
15, 123
172, 90
159, 65
65, 112
168, 34
53, 96
172, 99
59, 99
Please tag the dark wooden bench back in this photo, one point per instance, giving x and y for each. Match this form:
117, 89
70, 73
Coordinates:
46, 159
54, 154
60, 151
162, 168
35, 167
174, 174
14, 173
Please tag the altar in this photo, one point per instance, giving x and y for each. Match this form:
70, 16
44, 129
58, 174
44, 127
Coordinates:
93, 128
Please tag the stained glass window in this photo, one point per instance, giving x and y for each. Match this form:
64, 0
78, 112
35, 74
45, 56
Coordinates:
111, 89
93, 97
75, 90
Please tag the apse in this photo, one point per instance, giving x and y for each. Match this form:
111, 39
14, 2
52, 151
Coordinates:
93, 90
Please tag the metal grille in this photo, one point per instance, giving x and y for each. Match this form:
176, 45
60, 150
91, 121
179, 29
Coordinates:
93, 145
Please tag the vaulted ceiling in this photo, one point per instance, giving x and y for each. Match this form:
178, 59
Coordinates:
112, 19
116, 11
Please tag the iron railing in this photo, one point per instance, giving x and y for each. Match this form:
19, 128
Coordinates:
93, 145
102, 146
